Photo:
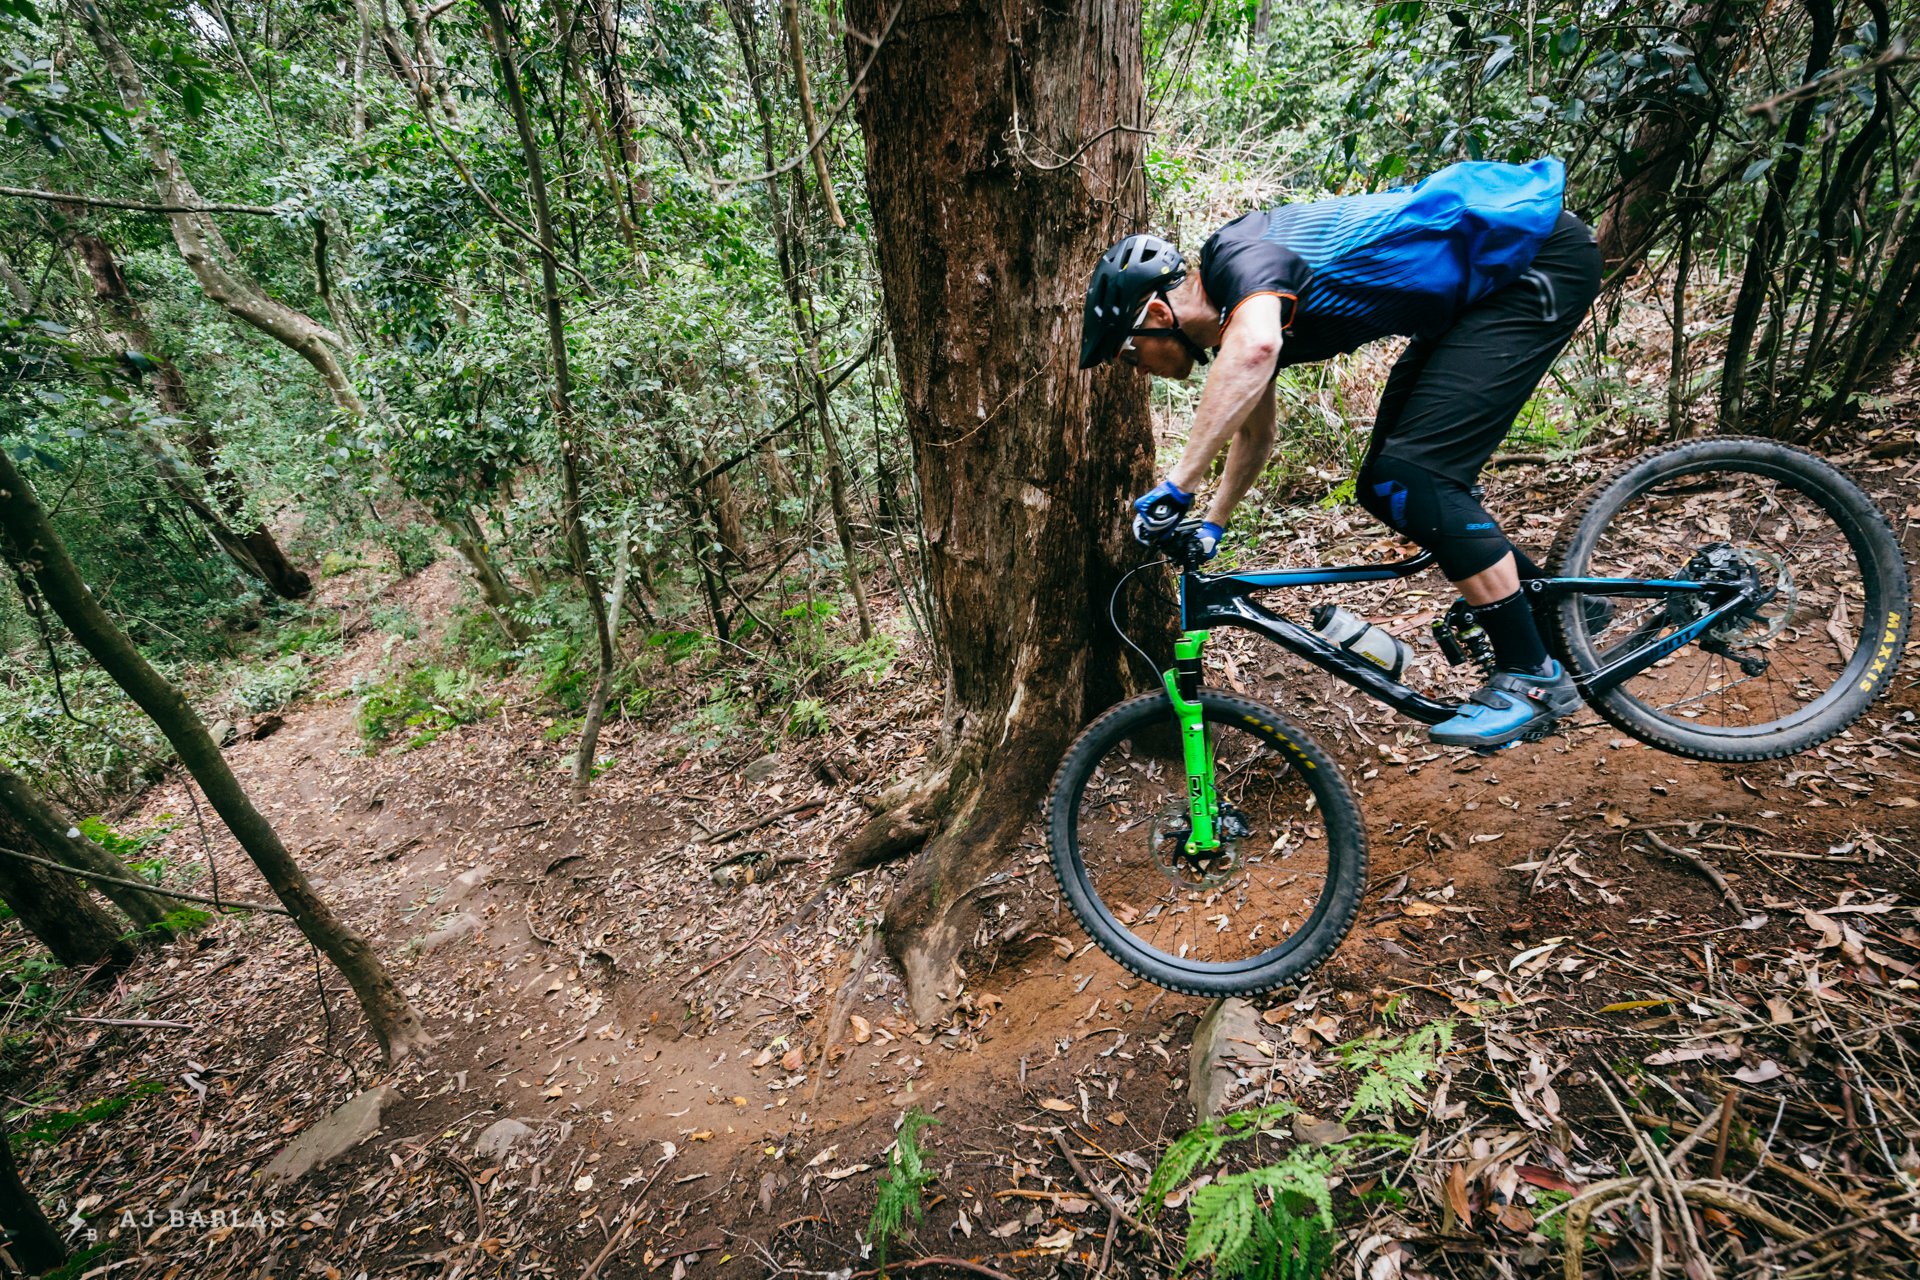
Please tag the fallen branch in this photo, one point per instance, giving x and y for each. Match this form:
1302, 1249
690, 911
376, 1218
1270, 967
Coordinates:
82, 874
1107, 1202
766, 820
1699, 864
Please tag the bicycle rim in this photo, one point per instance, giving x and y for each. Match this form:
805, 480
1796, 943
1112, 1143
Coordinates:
1238, 910
1782, 662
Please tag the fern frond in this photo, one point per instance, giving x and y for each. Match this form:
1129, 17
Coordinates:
900, 1184
1203, 1144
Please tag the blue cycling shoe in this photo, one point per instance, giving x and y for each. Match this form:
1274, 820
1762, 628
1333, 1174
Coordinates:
1514, 706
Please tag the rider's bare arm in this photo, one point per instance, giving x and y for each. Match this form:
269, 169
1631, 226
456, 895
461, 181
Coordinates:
1248, 453
1240, 381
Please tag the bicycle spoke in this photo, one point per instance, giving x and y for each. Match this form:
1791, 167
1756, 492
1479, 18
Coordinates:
1241, 903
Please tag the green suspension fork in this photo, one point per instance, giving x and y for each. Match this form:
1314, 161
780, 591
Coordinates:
1183, 688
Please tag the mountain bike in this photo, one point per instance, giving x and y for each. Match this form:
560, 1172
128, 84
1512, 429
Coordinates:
1727, 599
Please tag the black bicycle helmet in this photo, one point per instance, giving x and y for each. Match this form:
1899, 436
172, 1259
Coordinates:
1127, 276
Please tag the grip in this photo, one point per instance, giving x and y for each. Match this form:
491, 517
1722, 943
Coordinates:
1164, 509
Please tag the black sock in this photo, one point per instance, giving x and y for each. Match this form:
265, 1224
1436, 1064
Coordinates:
1516, 639
1528, 569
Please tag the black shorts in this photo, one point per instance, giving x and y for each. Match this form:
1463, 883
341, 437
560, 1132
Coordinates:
1451, 399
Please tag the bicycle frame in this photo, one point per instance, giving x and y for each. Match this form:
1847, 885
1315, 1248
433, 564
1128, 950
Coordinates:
1209, 600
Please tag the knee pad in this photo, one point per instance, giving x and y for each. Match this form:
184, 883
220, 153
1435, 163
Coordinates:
1435, 512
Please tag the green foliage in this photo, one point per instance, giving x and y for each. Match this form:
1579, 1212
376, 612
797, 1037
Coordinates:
715, 724
422, 703
50, 1127
32, 975
900, 1185
414, 546
395, 620
272, 686
1273, 1221
180, 920
123, 845
564, 677
868, 661
808, 719
1203, 1144
1393, 1068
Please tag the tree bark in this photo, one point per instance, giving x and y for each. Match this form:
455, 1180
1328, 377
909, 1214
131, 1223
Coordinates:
1770, 234
1666, 136
24, 523
200, 242
48, 831
495, 592
33, 1241
56, 908
1025, 464
254, 550
565, 428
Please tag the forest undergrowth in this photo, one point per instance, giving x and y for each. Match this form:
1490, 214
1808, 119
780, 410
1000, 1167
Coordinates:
1677, 998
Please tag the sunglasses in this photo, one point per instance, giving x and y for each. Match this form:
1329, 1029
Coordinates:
1130, 354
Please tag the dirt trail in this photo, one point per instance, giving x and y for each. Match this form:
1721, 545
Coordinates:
660, 1032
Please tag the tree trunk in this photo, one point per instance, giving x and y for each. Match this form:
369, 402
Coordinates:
576, 533
603, 38
51, 834
24, 523
362, 49
727, 519
1025, 464
426, 59
495, 592
1770, 235
797, 51
255, 550
33, 1241
1666, 137
200, 242
55, 908
786, 239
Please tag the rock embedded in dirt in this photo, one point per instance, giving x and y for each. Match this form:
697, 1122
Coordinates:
465, 883
500, 1137
1223, 1040
266, 726
1314, 1131
345, 1128
452, 930
222, 732
758, 771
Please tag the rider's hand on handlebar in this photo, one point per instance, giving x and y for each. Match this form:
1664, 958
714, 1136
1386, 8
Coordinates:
1207, 538
1157, 511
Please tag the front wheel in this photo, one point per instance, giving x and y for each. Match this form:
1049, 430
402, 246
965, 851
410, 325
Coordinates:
1790, 670
1259, 912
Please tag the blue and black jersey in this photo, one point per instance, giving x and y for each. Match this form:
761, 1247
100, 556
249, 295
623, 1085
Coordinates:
1404, 262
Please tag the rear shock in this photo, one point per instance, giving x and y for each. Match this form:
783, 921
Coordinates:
1462, 639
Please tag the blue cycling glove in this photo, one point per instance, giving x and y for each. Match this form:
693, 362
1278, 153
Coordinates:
1157, 511
1209, 539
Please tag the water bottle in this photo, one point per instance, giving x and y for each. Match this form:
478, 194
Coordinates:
1358, 636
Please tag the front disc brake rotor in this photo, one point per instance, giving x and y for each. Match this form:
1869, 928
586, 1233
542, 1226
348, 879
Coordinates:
1189, 869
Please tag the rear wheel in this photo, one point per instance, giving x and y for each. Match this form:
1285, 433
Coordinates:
1791, 670
1273, 902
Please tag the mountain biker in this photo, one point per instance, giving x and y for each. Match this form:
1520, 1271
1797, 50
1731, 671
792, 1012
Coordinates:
1487, 274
